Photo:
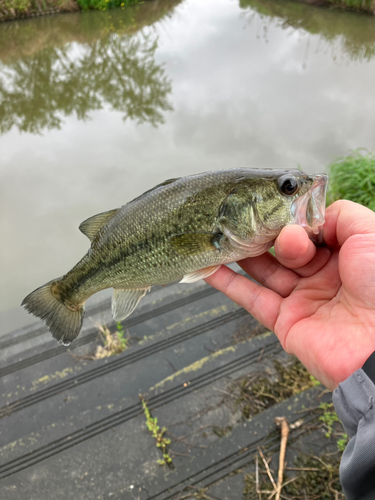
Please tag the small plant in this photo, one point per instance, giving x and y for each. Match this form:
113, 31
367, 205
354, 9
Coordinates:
157, 433
121, 335
329, 418
113, 343
353, 178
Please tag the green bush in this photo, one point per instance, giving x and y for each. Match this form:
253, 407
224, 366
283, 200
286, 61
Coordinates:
20, 6
354, 4
105, 4
353, 178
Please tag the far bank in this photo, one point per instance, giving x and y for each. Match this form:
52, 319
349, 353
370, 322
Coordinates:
22, 9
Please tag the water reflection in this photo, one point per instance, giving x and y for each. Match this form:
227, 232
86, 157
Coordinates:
117, 71
237, 101
355, 34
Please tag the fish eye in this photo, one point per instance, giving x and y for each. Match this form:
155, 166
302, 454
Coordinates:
288, 185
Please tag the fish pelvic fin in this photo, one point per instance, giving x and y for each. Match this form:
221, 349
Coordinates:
63, 321
125, 301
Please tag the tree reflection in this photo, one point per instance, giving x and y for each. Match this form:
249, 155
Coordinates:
355, 34
38, 91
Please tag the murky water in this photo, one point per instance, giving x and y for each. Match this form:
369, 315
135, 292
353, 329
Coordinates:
95, 108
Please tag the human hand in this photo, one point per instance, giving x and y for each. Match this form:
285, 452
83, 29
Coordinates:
320, 302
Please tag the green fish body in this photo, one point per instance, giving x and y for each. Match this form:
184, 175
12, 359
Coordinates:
181, 230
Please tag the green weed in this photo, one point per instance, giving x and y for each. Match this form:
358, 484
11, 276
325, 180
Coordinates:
353, 178
121, 336
157, 433
329, 418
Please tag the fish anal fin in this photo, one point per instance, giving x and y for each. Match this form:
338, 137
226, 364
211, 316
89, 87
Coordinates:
189, 244
124, 301
199, 275
90, 227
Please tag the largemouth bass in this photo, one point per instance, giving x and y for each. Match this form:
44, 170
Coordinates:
181, 230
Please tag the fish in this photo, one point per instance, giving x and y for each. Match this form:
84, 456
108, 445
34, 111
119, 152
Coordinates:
182, 230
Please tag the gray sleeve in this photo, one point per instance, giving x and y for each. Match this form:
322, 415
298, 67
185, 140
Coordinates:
354, 404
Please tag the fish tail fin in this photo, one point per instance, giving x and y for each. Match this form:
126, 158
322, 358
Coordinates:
64, 321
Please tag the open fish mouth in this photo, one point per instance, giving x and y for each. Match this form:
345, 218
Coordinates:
309, 209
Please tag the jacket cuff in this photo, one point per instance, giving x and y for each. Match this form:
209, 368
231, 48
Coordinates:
353, 399
369, 367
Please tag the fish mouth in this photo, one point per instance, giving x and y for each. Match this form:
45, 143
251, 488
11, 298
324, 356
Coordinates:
309, 209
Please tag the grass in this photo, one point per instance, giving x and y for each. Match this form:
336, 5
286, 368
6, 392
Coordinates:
158, 433
353, 178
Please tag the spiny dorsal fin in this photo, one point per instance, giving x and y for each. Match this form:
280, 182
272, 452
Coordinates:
90, 227
196, 243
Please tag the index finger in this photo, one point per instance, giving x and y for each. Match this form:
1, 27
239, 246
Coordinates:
259, 301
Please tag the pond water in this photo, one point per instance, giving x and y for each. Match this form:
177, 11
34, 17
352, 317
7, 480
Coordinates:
97, 107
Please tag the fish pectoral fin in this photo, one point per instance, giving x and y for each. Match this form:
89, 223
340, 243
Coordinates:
189, 244
124, 301
199, 275
90, 227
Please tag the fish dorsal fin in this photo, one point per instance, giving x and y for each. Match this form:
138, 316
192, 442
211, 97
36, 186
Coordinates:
189, 244
125, 301
90, 227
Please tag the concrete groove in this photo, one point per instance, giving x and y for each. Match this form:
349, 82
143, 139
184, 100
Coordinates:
133, 411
